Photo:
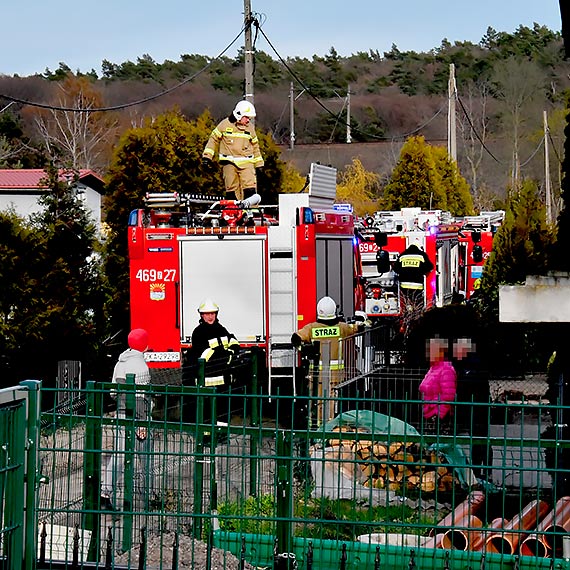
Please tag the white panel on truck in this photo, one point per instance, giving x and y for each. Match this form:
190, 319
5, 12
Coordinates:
230, 271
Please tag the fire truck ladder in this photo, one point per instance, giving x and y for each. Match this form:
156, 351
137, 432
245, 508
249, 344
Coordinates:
281, 298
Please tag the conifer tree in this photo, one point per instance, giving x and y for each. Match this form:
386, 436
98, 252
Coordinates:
415, 181
458, 198
520, 248
17, 304
52, 307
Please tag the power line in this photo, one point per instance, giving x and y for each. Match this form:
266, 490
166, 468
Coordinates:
554, 147
123, 105
337, 116
533, 153
476, 133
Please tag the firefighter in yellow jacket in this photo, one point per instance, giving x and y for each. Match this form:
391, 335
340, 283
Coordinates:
332, 335
235, 142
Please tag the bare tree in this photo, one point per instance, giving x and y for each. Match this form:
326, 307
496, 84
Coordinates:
517, 83
8, 151
473, 123
81, 136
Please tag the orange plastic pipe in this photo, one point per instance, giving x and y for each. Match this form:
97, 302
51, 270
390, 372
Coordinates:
479, 541
535, 545
467, 508
434, 541
548, 537
506, 541
464, 533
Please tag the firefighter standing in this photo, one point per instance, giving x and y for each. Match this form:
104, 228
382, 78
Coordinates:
412, 266
331, 334
212, 342
237, 145
219, 348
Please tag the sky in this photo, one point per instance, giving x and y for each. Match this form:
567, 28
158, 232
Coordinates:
39, 34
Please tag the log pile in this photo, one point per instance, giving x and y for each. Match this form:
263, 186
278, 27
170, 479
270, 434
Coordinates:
392, 466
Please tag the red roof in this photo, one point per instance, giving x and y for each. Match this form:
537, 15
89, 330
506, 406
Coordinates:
31, 177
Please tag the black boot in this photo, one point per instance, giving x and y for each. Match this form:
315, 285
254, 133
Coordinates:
247, 192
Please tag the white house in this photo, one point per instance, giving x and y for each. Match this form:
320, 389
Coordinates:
21, 188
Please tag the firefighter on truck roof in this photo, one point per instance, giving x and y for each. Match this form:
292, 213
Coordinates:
237, 146
331, 334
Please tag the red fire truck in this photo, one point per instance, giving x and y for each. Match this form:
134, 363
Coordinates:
457, 247
265, 267
475, 244
386, 235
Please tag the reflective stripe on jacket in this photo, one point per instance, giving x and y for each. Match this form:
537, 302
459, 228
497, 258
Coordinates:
234, 143
218, 357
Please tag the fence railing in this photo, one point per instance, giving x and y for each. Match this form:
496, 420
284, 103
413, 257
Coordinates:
228, 478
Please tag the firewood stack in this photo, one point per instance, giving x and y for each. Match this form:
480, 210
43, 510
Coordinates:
392, 466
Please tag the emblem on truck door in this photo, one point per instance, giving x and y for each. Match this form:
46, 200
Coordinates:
157, 291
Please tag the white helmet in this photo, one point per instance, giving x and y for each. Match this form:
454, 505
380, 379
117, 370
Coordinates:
244, 109
208, 306
326, 309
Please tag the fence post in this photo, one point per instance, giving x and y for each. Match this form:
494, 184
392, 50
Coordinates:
284, 490
199, 452
33, 388
142, 550
92, 472
129, 464
253, 447
75, 555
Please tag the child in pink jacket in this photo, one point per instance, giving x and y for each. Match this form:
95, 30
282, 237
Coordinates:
439, 386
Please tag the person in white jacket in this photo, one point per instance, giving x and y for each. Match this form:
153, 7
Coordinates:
131, 361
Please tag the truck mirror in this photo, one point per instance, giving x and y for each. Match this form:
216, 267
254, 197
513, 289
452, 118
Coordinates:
381, 239
477, 253
382, 261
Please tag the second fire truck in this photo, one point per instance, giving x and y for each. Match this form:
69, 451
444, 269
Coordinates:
457, 247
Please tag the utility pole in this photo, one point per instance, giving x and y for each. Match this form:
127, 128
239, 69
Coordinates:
547, 185
348, 133
292, 116
451, 117
248, 51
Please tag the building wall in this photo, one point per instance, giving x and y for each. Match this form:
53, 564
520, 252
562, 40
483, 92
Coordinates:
25, 203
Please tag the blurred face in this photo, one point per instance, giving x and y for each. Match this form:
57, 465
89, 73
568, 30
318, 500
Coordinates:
244, 121
435, 349
463, 347
209, 317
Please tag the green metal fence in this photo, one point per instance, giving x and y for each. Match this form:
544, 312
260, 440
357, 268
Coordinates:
18, 452
227, 480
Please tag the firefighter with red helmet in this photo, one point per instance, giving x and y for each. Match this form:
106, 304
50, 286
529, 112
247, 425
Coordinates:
235, 142
411, 267
331, 334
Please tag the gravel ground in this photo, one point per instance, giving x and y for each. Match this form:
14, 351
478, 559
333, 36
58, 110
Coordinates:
192, 554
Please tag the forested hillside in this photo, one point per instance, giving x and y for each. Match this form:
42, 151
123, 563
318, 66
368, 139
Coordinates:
505, 84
